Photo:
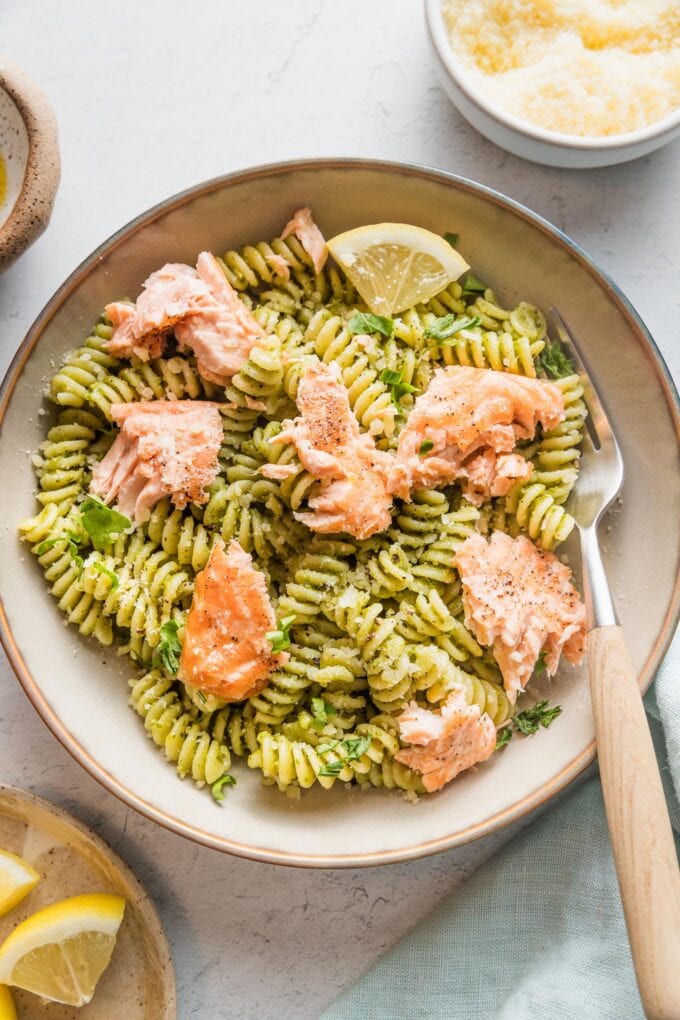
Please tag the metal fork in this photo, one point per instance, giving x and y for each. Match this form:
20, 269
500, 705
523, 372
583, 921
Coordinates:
637, 815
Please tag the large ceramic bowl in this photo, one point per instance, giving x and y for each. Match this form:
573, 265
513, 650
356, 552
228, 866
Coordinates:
81, 690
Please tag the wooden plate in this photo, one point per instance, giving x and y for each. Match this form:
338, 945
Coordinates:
140, 980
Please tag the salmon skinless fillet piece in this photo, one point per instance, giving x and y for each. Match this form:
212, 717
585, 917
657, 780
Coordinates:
473, 417
354, 495
225, 649
202, 308
223, 332
309, 236
519, 601
164, 448
168, 295
445, 743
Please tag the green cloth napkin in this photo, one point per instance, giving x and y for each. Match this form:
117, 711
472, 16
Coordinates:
538, 931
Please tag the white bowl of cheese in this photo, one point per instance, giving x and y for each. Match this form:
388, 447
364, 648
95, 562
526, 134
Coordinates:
573, 84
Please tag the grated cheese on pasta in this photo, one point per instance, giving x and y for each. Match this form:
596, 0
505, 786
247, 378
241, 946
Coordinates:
582, 67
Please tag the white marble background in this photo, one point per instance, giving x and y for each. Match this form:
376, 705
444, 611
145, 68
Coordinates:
153, 96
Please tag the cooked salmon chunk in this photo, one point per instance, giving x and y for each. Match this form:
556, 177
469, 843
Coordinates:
354, 474
519, 601
222, 332
168, 295
309, 236
471, 420
225, 649
164, 448
446, 742
200, 306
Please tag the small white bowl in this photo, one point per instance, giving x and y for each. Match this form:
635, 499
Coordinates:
553, 148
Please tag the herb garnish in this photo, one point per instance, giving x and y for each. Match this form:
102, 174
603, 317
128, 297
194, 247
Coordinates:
280, 639
356, 747
72, 543
398, 388
226, 780
528, 722
327, 746
445, 327
425, 447
473, 285
365, 322
555, 362
540, 666
321, 710
101, 568
168, 648
101, 523
451, 238
332, 768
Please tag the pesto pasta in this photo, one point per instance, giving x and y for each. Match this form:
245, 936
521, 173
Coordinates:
371, 625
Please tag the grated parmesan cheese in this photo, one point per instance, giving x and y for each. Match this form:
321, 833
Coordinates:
582, 67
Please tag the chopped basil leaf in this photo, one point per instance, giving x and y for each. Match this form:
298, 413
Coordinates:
280, 639
101, 523
540, 714
356, 747
225, 780
398, 388
365, 322
202, 697
451, 238
555, 362
473, 285
540, 666
321, 710
71, 541
168, 649
425, 447
327, 746
503, 736
442, 329
332, 768
102, 569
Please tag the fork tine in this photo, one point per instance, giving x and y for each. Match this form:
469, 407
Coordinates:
597, 422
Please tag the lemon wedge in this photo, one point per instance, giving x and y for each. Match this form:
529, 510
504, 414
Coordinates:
7, 1010
396, 265
17, 878
60, 952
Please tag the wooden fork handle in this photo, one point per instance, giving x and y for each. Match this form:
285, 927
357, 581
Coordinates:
639, 826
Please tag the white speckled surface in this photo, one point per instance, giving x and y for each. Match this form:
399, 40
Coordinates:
152, 97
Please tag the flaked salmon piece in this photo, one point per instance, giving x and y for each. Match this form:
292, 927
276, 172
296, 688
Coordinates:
519, 601
309, 236
202, 308
446, 742
279, 471
225, 649
164, 448
221, 332
487, 474
465, 412
279, 265
168, 295
354, 474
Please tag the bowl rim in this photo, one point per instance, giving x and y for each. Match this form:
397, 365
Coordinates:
49, 716
438, 34
32, 209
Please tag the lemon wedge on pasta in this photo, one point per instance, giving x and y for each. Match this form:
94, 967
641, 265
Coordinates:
396, 265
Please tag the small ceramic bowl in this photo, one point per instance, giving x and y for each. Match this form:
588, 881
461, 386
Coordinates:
30, 166
528, 140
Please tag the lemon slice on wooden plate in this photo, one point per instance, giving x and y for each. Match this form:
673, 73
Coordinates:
61, 952
17, 878
396, 265
7, 1010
